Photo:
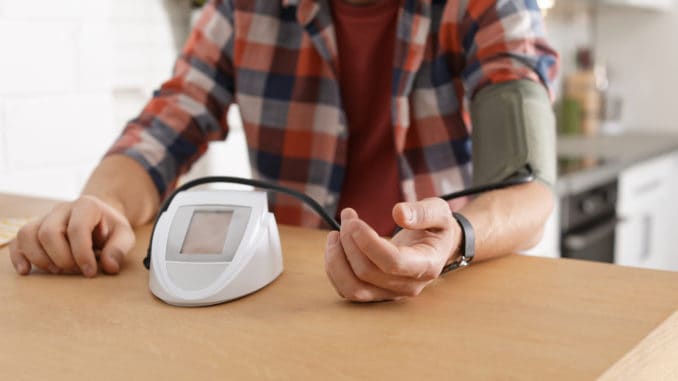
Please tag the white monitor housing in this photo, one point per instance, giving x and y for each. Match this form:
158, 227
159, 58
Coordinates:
213, 246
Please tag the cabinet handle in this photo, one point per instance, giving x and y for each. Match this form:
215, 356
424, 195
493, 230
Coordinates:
646, 246
647, 187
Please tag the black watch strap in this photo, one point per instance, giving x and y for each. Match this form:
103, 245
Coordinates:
468, 244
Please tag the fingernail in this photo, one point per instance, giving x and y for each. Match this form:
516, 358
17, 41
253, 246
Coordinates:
53, 269
116, 260
88, 270
409, 214
21, 268
117, 257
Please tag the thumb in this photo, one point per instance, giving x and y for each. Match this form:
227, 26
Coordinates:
430, 213
348, 214
119, 243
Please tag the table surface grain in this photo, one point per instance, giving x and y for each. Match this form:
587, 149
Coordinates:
514, 318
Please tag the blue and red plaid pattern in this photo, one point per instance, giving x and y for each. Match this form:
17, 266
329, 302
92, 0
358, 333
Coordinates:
278, 61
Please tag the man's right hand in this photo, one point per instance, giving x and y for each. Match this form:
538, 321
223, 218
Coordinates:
71, 237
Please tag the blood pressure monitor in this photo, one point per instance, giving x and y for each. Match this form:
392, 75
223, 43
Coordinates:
210, 247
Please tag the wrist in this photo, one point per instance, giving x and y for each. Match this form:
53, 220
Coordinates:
466, 245
457, 239
110, 200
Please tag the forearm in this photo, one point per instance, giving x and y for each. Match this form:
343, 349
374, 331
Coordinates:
513, 127
509, 220
174, 129
123, 183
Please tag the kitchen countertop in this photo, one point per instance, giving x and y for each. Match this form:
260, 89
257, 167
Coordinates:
513, 318
615, 153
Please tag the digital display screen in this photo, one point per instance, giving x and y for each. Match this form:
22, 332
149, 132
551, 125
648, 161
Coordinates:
207, 232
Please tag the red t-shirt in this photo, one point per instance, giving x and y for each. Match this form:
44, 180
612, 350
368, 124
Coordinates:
366, 45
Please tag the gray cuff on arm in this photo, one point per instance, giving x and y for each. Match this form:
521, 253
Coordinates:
513, 125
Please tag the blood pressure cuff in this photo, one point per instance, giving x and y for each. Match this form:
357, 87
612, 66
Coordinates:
513, 125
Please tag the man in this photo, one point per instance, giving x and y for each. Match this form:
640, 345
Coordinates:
360, 104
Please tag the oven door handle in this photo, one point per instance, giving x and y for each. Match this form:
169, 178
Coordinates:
575, 242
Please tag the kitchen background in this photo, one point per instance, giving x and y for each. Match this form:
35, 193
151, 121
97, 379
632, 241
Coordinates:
74, 71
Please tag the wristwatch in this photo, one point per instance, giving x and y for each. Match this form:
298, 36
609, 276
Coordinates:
468, 245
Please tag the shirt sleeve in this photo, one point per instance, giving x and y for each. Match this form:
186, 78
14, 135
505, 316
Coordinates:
189, 110
505, 41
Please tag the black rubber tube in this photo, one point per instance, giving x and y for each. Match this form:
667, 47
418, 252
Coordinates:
520, 178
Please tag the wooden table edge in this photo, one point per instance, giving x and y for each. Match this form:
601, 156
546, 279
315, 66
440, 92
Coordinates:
655, 357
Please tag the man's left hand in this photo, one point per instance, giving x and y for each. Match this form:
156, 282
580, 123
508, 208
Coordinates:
365, 267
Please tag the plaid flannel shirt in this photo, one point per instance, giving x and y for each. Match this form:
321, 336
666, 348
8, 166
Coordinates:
278, 61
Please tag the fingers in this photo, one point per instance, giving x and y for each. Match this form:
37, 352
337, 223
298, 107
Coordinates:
331, 251
368, 272
342, 278
85, 216
120, 241
52, 237
30, 249
430, 213
19, 261
381, 252
65, 240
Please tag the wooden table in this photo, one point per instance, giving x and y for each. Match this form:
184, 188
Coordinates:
514, 318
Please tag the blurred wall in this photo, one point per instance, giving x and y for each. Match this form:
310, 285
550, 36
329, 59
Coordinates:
56, 98
641, 50
569, 27
72, 73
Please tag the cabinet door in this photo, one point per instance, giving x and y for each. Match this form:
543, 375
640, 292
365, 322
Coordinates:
669, 225
645, 210
641, 241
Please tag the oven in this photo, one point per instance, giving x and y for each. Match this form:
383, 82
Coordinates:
588, 223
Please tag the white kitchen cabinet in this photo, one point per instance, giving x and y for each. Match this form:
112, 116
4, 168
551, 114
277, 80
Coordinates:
660, 5
670, 228
646, 209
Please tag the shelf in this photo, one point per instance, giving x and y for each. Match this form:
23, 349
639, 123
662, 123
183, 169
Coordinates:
653, 5
659, 5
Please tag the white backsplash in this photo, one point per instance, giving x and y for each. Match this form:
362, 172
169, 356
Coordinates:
641, 49
568, 29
